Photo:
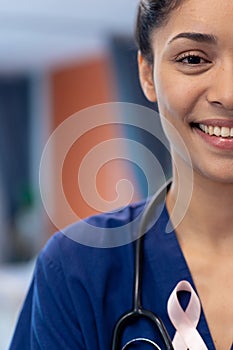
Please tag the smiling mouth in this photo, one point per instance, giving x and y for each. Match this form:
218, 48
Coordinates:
215, 130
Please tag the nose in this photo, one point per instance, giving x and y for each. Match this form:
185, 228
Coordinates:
220, 92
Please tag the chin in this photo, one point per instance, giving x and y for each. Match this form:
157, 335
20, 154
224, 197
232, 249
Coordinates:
219, 177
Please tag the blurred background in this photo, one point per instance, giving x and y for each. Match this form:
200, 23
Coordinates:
56, 58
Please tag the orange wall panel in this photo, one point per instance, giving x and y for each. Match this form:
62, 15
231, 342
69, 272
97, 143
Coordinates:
80, 86
74, 88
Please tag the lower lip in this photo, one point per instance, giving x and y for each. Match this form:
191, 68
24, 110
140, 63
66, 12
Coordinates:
224, 143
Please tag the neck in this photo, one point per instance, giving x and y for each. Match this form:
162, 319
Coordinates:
208, 216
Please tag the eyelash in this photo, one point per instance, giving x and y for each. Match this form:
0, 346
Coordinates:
188, 55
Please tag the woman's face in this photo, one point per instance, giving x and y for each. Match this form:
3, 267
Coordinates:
193, 83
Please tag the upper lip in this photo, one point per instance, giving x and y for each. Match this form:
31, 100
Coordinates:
228, 123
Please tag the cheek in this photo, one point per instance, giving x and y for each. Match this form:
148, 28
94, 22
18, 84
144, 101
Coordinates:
177, 96
170, 103
175, 105
169, 97
171, 114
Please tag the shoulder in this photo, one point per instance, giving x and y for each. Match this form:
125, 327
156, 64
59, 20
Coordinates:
96, 238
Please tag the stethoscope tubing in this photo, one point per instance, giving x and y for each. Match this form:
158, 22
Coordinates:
138, 311
138, 340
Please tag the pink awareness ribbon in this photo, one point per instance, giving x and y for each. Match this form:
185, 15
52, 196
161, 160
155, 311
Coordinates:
185, 321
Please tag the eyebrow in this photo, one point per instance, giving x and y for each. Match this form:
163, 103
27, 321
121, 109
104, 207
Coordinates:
198, 37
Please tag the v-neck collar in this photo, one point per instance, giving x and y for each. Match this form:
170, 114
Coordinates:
170, 267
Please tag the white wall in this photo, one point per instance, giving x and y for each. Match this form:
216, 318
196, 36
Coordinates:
44, 33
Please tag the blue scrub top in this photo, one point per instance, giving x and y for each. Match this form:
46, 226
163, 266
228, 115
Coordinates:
78, 292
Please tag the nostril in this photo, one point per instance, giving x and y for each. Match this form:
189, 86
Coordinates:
217, 103
228, 106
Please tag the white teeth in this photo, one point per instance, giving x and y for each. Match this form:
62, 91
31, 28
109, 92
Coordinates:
202, 127
216, 130
211, 130
225, 132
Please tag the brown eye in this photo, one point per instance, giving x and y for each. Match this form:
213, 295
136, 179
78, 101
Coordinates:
191, 59
193, 62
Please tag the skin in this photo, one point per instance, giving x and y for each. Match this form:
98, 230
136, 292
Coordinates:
192, 81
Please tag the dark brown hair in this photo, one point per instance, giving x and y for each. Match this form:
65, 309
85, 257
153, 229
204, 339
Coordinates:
151, 14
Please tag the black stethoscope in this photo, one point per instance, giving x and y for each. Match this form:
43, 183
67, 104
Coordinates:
138, 312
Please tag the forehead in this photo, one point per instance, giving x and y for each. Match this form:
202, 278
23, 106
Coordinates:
208, 16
